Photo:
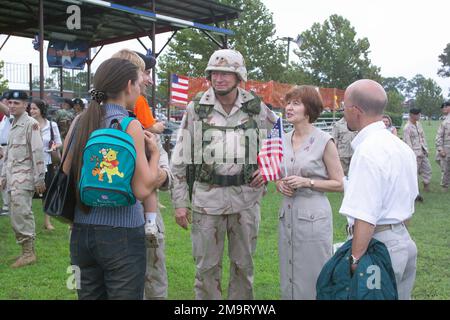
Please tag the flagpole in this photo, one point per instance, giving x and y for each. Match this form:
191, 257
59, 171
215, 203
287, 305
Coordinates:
169, 82
282, 144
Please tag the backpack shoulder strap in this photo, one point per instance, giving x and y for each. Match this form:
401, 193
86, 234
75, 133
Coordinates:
125, 122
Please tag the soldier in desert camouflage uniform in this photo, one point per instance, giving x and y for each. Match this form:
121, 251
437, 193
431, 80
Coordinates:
443, 146
5, 126
64, 117
414, 137
343, 137
226, 194
23, 174
156, 282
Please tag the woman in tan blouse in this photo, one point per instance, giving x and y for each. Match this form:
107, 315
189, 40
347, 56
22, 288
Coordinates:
312, 166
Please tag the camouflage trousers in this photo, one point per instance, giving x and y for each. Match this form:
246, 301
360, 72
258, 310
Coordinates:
208, 238
345, 162
5, 197
5, 200
444, 163
156, 273
424, 168
22, 218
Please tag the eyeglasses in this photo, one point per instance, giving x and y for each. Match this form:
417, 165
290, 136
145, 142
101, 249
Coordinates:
352, 106
348, 106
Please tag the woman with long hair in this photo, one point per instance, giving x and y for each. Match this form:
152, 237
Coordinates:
108, 243
388, 123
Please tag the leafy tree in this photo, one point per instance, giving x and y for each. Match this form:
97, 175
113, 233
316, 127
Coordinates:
333, 56
398, 84
395, 102
190, 50
49, 83
296, 75
3, 82
444, 59
429, 97
413, 85
76, 83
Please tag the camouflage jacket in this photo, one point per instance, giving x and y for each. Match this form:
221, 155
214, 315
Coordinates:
443, 136
164, 165
206, 198
24, 167
343, 138
414, 137
63, 119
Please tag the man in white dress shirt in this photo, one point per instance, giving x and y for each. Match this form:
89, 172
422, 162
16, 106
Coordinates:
382, 184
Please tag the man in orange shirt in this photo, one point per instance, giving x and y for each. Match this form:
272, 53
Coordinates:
142, 109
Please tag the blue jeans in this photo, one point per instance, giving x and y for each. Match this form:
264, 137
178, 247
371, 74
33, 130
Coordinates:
111, 260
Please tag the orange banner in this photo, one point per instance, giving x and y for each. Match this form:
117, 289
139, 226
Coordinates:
273, 92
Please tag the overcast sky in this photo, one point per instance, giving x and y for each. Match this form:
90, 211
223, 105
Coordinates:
405, 37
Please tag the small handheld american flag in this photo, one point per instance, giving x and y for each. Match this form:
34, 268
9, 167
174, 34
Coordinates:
271, 153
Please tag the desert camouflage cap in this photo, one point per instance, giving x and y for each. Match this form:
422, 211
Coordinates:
227, 60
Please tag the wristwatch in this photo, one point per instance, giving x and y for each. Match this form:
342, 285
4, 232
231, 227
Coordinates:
311, 183
353, 260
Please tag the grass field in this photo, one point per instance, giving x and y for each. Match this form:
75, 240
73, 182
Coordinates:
47, 279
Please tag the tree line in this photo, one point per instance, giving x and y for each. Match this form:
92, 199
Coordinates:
331, 55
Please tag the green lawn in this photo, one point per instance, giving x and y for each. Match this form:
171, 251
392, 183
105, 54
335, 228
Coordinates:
47, 279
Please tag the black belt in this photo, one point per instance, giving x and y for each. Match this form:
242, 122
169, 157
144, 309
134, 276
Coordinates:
4, 144
226, 181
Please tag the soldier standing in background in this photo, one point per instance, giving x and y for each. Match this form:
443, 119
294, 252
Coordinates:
443, 146
64, 117
226, 196
343, 137
23, 174
5, 127
414, 137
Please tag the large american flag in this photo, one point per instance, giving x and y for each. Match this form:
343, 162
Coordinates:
271, 153
179, 89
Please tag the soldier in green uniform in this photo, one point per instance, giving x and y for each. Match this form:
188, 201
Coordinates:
23, 174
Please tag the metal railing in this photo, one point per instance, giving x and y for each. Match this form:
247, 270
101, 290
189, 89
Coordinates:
323, 123
26, 76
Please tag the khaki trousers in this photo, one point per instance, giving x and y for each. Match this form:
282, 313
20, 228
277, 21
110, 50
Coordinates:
403, 253
424, 168
22, 218
208, 238
156, 274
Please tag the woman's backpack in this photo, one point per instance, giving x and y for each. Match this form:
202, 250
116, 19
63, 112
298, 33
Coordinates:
109, 160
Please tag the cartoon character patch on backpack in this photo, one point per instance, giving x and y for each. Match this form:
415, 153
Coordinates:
109, 165
108, 152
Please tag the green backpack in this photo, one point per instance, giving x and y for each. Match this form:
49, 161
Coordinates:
109, 161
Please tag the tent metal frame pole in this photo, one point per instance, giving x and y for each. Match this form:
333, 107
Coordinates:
41, 49
4, 42
153, 52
